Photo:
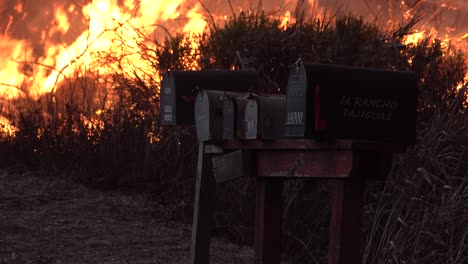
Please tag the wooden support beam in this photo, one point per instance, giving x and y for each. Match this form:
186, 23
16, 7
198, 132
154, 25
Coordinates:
205, 194
305, 163
268, 220
346, 219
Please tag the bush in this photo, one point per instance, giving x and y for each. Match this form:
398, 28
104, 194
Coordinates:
105, 131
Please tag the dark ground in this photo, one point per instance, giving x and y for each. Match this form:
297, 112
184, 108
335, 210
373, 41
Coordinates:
46, 219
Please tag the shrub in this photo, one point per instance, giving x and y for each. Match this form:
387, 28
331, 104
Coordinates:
105, 131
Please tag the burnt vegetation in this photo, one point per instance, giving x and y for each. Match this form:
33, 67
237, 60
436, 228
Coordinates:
104, 131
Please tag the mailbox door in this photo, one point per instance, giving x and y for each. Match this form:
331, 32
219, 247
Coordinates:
298, 115
229, 117
246, 118
250, 118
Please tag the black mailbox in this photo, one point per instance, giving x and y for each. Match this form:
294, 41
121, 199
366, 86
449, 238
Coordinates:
340, 102
264, 117
179, 89
271, 116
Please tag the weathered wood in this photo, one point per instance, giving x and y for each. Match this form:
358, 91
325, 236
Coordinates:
203, 209
305, 163
349, 162
213, 149
297, 144
287, 144
231, 166
268, 218
346, 219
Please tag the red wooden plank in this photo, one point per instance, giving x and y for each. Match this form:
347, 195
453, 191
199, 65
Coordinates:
303, 163
283, 144
346, 219
268, 216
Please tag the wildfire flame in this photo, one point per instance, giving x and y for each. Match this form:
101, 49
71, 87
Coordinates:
43, 42
25, 67
38, 60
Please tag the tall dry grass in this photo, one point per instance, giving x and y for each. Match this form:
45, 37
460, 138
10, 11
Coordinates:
104, 131
421, 214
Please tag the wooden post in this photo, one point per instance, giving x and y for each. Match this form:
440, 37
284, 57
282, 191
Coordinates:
203, 208
268, 220
346, 219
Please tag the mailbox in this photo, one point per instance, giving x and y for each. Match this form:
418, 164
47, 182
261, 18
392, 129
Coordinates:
246, 118
254, 116
229, 117
271, 117
179, 89
339, 102
264, 116
209, 115
221, 115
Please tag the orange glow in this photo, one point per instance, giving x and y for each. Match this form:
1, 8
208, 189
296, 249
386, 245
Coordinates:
196, 23
415, 37
446, 20
61, 20
41, 50
285, 20
18, 7
6, 128
45, 45
114, 28
11, 76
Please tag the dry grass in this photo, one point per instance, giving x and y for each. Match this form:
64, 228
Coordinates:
50, 220
419, 216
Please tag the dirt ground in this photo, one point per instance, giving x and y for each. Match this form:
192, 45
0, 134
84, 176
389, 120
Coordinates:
53, 220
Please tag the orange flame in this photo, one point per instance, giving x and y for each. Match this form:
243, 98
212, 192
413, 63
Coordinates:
110, 28
38, 55
23, 70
